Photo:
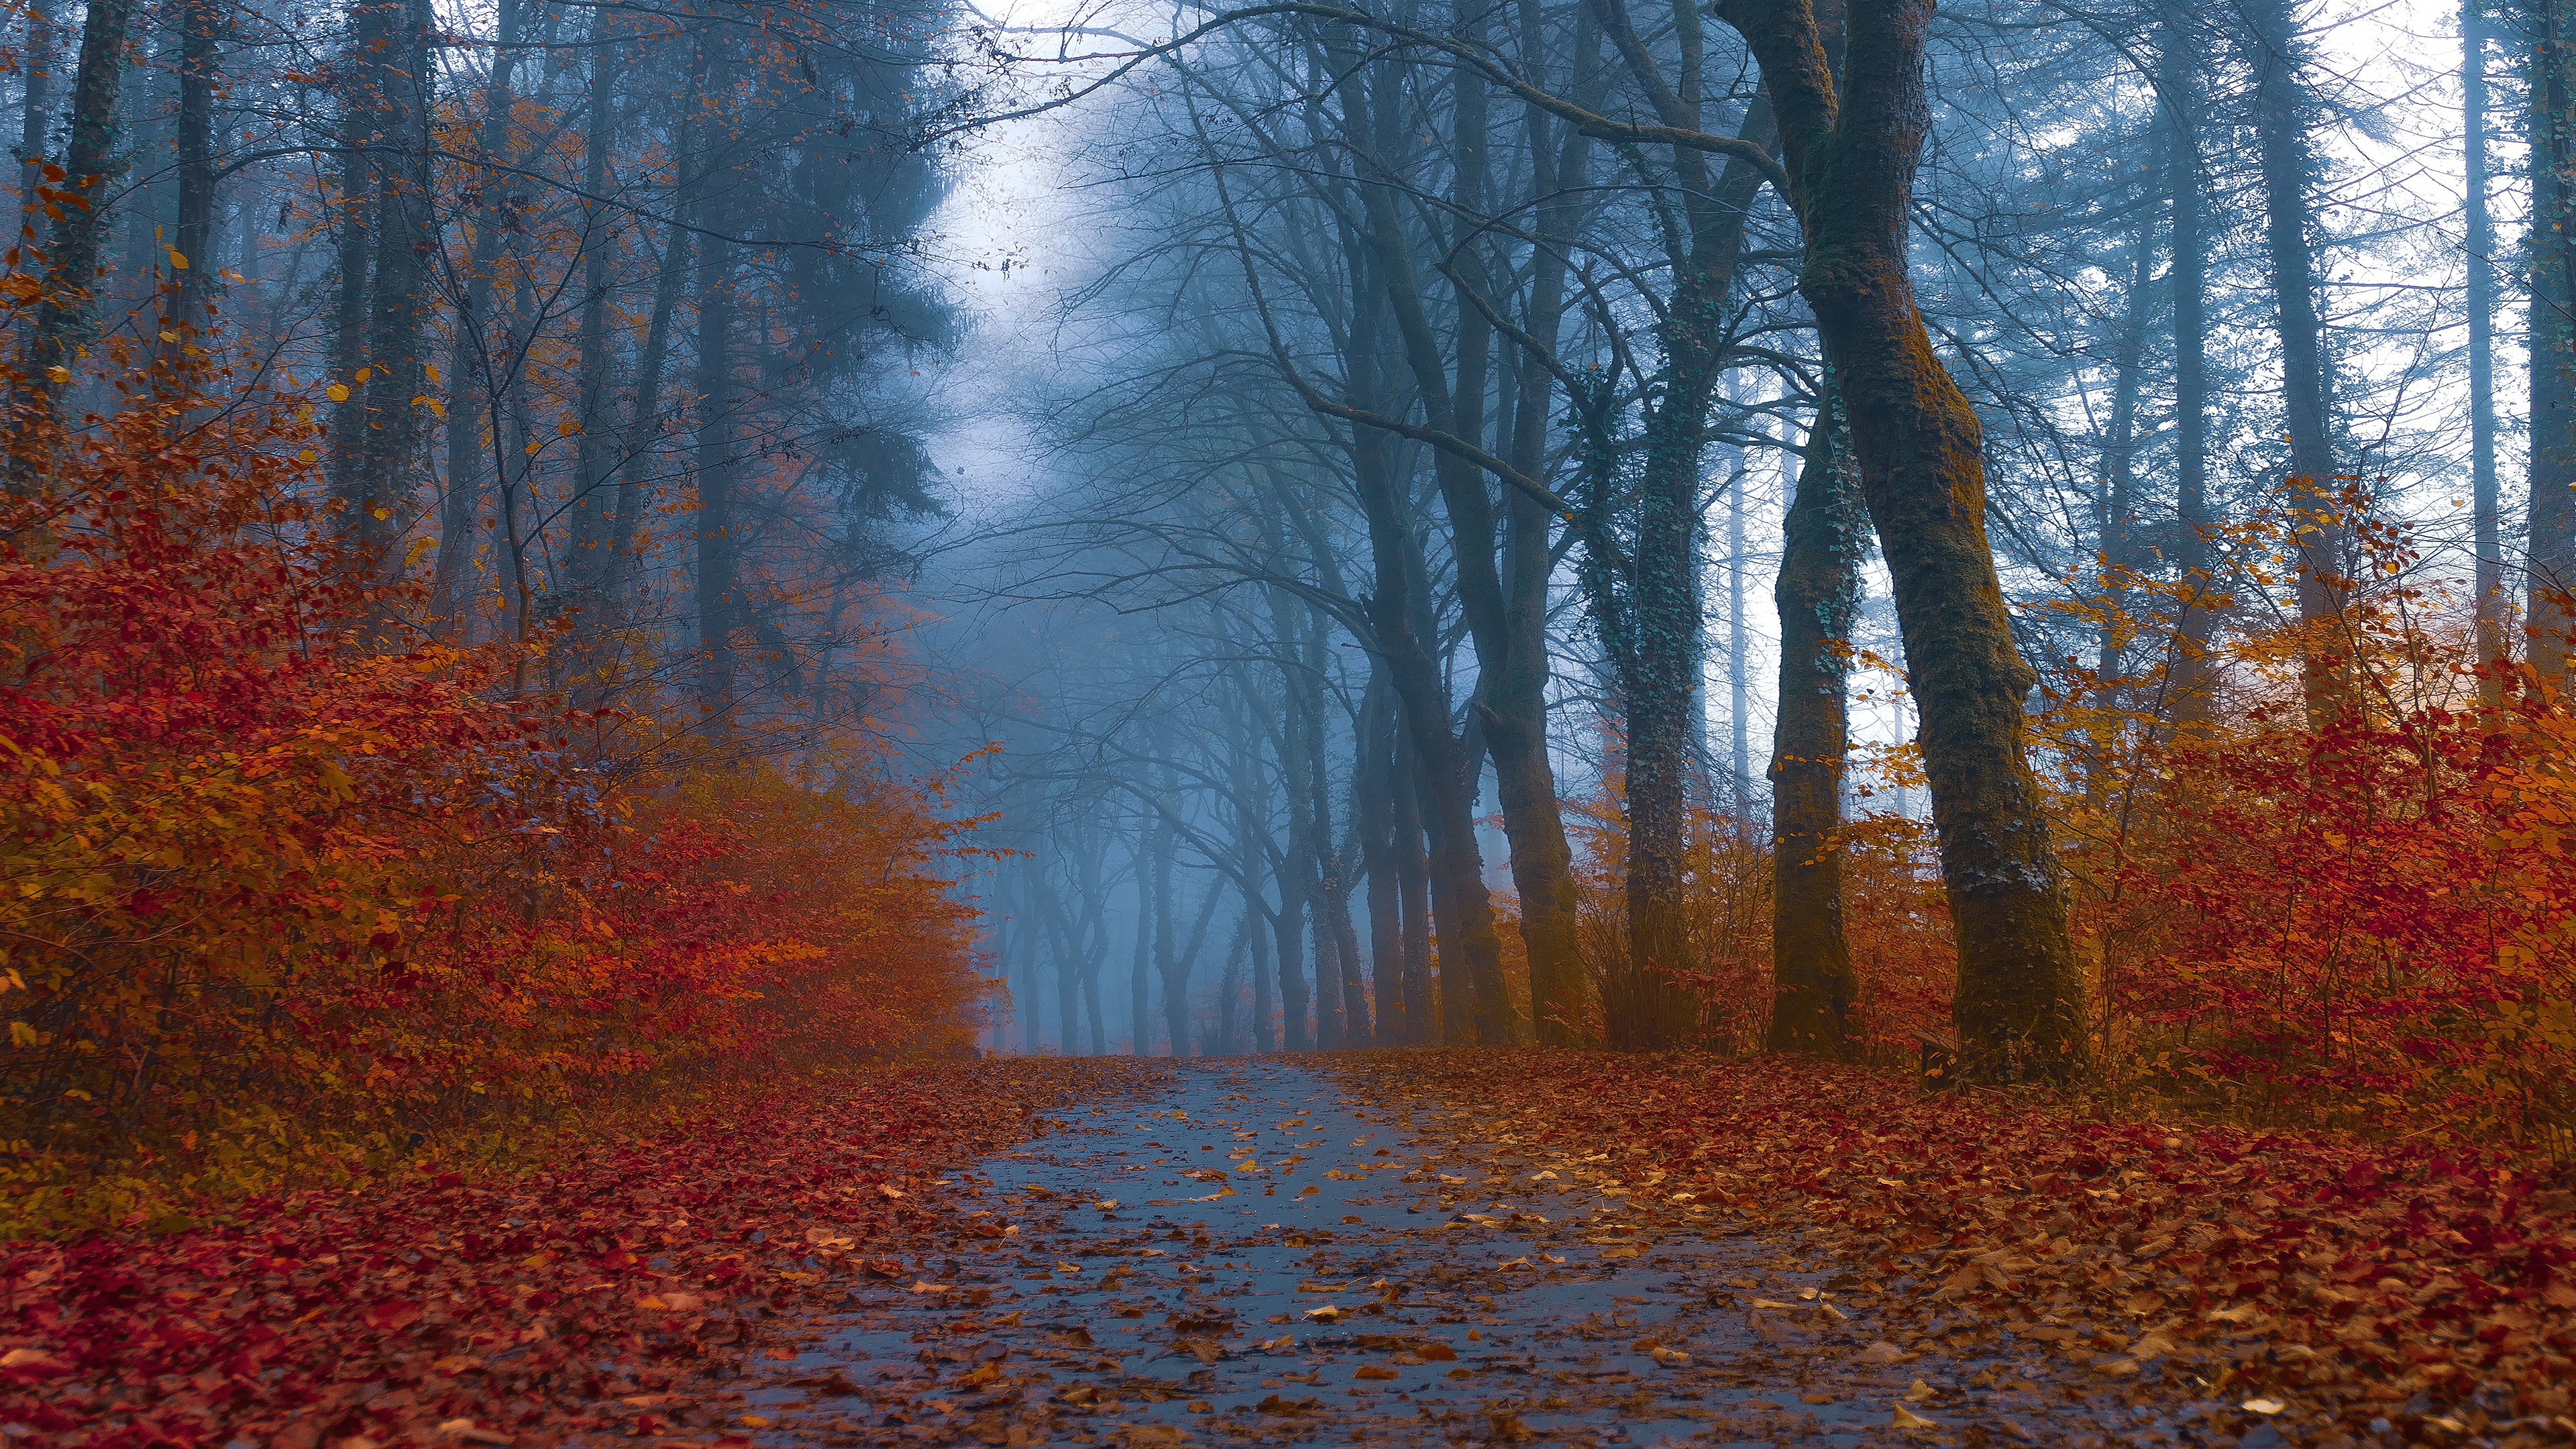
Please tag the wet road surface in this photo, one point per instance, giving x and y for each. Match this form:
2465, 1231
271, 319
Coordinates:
1257, 1256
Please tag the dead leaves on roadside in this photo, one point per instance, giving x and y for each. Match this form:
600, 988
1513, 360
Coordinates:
2307, 1271
591, 1296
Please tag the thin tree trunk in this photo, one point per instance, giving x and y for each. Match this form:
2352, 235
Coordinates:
1329, 966
2119, 552
1471, 972
718, 586
596, 523
1818, 591
1140, 1026
360, 89
32, 120
1514, 715
1413, 881
2480, 245
2194, 676
470, 385
1263, 1037
1373, 816
1166, 950
2280, 124
1229, 1006
1739, 700
1296, 870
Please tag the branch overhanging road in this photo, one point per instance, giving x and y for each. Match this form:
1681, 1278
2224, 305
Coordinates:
1260, 1253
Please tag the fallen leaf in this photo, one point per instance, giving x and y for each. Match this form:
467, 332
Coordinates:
1905, 1418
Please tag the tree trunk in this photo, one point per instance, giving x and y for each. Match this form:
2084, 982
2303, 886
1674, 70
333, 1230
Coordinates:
470, 385
1920, 456
1413, 882
718, 585
1818, 591
2119, 550
1308, 692
80, 217
596, 523
194, 238
1514, 714
1739, 701
398, 280
2551, 546
1166, 949
39, 66
1140, 1024
2193, 676
1373, 815
2280, 124
2479, 243
360, 90
1649, 1009
1471, 978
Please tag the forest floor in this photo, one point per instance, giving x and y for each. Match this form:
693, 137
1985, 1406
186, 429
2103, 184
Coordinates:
1427, 1248
1420, 1247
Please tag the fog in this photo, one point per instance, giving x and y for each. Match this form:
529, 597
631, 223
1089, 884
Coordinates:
1395, 525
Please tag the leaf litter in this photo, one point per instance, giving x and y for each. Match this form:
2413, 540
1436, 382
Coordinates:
614, 1292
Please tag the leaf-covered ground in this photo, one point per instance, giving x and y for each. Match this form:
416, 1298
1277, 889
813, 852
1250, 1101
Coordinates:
615, 1290
1414, 1247
2229, 1282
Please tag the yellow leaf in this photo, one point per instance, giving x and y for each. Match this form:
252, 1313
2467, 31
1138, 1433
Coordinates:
2264, 1406
305, 456
566, 427
58, 374
365, 372
530, 450
177, 262
431, 369
1908, 1419
337, 392
169, 336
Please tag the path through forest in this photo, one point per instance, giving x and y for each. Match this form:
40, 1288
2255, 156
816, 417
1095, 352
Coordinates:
1263, 1253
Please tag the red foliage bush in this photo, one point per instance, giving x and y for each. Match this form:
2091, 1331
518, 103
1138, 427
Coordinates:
277, 894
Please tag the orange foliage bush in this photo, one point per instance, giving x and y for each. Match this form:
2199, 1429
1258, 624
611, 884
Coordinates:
268, 886
2365, 924
1894, 916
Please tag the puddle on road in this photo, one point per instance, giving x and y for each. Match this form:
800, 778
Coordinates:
1255, 1255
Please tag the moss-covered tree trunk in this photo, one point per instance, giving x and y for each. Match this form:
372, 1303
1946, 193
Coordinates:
1919, 450
1818, 591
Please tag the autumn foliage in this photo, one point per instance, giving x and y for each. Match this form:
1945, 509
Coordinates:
2357, 919
289, 887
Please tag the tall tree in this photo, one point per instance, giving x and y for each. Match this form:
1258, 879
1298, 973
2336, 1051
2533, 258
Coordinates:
1851, 142
2478, 242
1818, 590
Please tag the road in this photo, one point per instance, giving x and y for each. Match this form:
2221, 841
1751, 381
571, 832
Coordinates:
1258, 1254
